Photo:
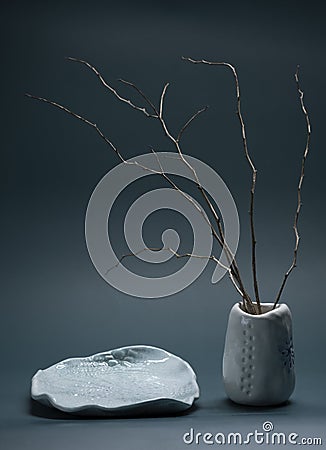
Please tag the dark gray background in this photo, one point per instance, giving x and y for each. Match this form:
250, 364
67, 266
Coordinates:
53, 302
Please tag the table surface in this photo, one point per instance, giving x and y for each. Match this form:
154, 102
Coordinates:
29, 425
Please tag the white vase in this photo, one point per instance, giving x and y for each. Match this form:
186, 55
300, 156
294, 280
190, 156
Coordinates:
258, 361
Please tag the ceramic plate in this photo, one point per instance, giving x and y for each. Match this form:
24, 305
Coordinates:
136, 379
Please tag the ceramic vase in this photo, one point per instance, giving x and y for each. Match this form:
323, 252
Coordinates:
258, 361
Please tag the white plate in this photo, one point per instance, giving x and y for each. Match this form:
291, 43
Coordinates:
129, 380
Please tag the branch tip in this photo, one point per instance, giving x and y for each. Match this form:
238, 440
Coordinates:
299, 202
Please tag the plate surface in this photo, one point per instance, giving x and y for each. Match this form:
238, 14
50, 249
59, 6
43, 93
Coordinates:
136, 379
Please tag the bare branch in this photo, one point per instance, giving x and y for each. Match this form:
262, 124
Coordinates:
97, 129
302, 173
193, 117
180, 255
251, 164
217, 261
127, 255
141, 93
186, 196
162, 99
81, 118
220, 239
110, 88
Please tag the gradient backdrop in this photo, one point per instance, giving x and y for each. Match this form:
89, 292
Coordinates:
53, 303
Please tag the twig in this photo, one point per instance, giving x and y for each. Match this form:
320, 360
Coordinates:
79, 117
302, 173
193, 117
97, 129
251, 164
110, 88
150, 103
127, 255
162, 100
141, 93
178, 255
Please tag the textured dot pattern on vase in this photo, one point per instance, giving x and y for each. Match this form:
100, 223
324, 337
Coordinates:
248, 356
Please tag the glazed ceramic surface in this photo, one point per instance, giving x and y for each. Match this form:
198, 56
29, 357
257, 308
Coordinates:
136, 379
258, 361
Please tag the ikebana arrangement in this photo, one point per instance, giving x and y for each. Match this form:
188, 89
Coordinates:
258, 362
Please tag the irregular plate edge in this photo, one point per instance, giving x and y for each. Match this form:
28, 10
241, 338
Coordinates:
143, 407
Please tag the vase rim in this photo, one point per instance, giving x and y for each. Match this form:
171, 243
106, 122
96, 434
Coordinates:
279, 308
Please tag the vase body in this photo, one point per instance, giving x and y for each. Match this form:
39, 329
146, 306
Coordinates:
258, 360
